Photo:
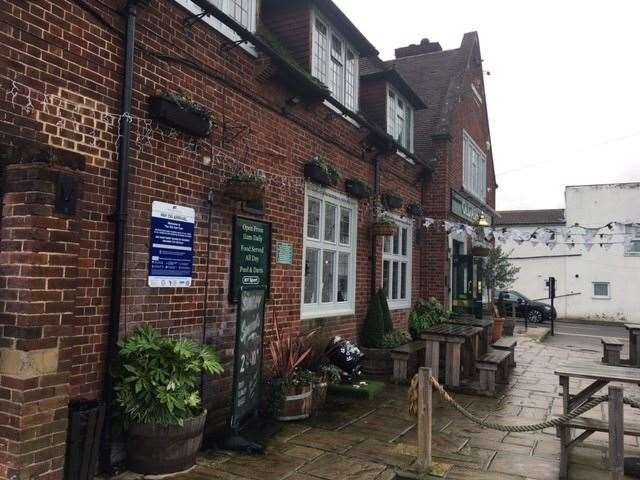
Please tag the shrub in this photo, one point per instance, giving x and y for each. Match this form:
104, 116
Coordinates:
157, 377
426, 314
395, 339
373, 329
386, 314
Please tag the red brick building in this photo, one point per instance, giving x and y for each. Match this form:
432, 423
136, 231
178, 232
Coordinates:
81, 170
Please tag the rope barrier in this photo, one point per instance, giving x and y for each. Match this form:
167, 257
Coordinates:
555, 422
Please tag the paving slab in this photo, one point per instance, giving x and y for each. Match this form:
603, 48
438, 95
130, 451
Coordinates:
338, 467
526, 466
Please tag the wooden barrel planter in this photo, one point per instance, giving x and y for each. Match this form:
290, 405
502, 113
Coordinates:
377, 362
296, 403
162, 449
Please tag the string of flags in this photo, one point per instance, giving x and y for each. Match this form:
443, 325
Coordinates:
613, 233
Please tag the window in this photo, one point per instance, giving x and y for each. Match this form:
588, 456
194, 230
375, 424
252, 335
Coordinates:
601, 290
399, 119
632, 246
242, 11
475, 168
396, 266
329, 254
335, 63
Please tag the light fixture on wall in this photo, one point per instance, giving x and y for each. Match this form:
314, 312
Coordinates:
482, 221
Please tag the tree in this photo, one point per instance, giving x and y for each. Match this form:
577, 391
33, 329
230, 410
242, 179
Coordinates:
499, 272
373, 329
386, 314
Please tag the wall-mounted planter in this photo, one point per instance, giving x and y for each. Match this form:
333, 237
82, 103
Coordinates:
321, 172
244, 191
384, 229
166, 110
391, 200
357, 189
415, 210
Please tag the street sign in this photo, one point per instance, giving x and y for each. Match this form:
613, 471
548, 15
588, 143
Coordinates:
251, 256
171, 245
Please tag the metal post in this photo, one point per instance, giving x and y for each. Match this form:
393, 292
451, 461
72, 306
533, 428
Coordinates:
425, 408
616, 433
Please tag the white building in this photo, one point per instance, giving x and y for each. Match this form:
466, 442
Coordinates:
601, 281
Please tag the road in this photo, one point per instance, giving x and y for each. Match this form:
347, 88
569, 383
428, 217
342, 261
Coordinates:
585, 336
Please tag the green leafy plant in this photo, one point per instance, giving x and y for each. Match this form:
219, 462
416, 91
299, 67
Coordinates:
395, 339
248, 178
157, 377
373, 329
499, 273
330, 374
186, 103
386, 313
326, 167
426, 314
383, 219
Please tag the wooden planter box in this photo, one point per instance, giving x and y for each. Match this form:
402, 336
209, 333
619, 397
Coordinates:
165, 111
391, 201
316, 174
384, 229
357, 189
377, 361
244, 191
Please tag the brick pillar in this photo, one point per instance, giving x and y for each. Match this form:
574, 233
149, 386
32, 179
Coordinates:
39, 236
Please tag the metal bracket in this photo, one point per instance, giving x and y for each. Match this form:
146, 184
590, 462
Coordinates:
189, 21
228, 46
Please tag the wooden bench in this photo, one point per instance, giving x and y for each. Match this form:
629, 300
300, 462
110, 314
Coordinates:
508, 344
401, 356
611, 348
488, 366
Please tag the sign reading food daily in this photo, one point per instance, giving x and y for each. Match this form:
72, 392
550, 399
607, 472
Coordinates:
463, 208
251, 256
171, 245
248, 355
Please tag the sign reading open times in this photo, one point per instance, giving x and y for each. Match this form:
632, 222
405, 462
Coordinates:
171, 245
250, 256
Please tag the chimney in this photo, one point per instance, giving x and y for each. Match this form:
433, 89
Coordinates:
425, 47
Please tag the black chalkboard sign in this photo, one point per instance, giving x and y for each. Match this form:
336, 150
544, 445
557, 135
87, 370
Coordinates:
250, 256
247, 372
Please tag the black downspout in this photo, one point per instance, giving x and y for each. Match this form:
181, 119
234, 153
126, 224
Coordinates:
120, 218
374, 240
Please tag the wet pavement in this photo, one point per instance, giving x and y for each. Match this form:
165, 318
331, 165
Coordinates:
370, 440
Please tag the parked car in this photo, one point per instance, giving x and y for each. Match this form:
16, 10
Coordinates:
533, 311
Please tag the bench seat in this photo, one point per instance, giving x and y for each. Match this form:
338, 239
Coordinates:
592, 424
401, 356
611, 349
488, 365
509, 344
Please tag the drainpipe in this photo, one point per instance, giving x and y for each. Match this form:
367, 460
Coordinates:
120, 218
377, 164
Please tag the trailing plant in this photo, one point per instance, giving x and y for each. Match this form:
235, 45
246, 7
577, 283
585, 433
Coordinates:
358, 189
186, 103
383, 219
248, 178
426, 314
373, 329
386, 314
327, 168
157, 377
395, 339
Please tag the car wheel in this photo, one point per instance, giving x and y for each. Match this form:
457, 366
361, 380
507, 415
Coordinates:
535, 316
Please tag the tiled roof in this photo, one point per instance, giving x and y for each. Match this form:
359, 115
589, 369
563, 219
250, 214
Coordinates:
373, 67
531, 217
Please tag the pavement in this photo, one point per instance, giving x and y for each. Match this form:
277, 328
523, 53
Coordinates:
370, 440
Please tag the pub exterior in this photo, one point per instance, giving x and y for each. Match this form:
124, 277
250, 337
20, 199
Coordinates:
123, 128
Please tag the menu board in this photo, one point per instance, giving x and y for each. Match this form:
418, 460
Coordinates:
250, 256
247, 372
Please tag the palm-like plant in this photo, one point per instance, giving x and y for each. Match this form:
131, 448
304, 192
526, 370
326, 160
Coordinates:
288, 353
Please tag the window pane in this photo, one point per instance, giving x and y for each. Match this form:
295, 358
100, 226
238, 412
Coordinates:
601, 289
330, 222
240, 11
396, 244
313, 218
408, 131
328, 265
311, 276
394, 281
385, 276
320, 51
403, 281
635, 246
345, 225
343, 277
351, 97
387, 244
404, 241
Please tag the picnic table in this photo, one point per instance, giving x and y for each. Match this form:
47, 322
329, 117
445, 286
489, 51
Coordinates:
601, 376
453, 336
634, 343
487, 329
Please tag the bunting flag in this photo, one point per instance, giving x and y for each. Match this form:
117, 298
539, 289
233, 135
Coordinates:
588, 246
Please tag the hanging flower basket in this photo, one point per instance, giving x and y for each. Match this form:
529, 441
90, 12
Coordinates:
357, 189
321, 172
181, 113
415, 210
245, 188
384, 229
391, 200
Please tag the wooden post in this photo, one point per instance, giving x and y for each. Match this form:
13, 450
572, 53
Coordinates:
616, 433
432, 356
425, 408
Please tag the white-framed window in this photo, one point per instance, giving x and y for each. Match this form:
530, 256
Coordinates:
475, 168
335, 63
632, 247
396, 266
399, 119
601, 290
245, 12
329, 255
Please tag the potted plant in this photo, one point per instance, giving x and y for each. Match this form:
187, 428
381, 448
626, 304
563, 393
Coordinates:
384, 226
156, 384
326, 375
182, 113
426, 314
391, 200
245, 186
320, 171
414, 209
291, 385
357, 189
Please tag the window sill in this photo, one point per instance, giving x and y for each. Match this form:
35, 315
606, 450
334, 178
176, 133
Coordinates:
399, 306
601, 298
345, 117
327, 313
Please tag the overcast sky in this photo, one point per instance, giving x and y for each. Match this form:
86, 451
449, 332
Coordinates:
564, 89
